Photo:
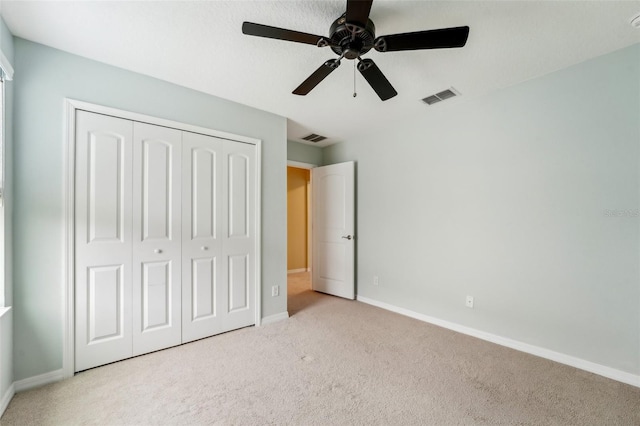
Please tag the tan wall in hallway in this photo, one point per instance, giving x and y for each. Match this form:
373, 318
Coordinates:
297, 180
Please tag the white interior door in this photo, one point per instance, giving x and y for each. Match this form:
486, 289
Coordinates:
103, 240
157, 237
333, 229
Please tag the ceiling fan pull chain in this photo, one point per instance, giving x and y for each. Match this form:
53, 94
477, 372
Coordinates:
354, 79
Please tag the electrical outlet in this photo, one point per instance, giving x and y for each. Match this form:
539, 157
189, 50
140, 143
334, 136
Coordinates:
275, 290
469, 302
375, 280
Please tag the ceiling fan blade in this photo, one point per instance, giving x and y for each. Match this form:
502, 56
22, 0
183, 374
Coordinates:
358, 11
376, 79
430, 39
260, 30
318, 75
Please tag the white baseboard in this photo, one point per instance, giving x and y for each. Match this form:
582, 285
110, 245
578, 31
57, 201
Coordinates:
275, 318
6, 398
295, 271
40, 380
602, 370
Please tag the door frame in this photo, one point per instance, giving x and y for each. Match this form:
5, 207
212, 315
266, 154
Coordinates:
69, 179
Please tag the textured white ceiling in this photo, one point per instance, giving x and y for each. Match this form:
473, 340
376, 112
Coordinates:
199, 44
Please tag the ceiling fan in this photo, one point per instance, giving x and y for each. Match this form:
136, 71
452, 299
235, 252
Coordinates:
352, 35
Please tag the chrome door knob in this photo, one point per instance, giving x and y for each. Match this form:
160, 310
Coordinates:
347, 237
158, 251
203, 248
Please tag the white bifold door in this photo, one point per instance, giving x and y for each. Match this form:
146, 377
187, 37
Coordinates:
218, 238
164, 237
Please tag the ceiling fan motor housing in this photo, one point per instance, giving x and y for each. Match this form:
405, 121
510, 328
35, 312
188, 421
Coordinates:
350, 38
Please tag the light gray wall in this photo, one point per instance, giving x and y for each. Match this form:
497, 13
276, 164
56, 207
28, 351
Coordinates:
44, 77
6, 331
303, 153
507, 198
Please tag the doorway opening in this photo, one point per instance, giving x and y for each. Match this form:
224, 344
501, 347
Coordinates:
299, 244
298, 220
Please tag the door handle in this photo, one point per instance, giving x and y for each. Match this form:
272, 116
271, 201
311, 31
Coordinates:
347, 237
157, 251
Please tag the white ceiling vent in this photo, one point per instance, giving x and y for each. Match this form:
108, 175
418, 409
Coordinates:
441, 96
314, 138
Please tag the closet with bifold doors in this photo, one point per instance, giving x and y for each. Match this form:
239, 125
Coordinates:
165, 237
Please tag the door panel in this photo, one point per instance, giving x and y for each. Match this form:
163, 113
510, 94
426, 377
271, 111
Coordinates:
239, 243
203, 288
203, 190
105, 167
103, 238
238, 187
156, 189
104, 301
202, 270
333, 187
156, 295
333, 229
238, 283
156, 237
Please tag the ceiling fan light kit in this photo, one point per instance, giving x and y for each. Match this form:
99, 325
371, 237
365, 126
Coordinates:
352, 35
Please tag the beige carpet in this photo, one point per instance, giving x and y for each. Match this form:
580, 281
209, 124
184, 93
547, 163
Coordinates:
334, 362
